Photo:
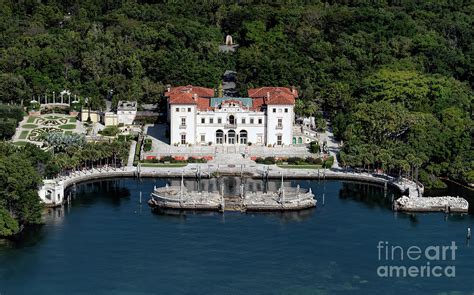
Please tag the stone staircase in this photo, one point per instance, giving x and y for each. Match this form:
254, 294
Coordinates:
230, 159
233, 203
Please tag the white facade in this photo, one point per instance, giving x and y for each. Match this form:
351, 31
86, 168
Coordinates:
182, 124
52, 192
231, 123
280, 120
126, 112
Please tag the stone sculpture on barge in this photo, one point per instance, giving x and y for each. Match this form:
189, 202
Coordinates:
178, 197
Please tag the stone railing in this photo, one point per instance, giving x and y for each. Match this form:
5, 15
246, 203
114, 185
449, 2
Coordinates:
230, 126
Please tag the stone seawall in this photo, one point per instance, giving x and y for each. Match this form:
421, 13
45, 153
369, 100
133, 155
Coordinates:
52, 192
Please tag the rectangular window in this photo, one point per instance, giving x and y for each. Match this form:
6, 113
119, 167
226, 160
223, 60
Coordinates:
243, 120
274, 110
279, 140
183, 110
183, 121
211, 121
219, 120
189, 110
259, 121
203, 121
251, 121
177, 109
280, 123
183, 138
286, 110
203, 137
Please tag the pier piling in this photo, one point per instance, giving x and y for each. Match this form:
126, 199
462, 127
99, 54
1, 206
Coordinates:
468, 233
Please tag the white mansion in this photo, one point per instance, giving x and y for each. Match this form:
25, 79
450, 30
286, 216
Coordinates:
265, 117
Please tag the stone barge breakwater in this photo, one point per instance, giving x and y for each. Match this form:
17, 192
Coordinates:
430, 204
52, 191
178, 197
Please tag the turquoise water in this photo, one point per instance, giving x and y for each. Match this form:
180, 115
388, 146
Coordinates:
106, 243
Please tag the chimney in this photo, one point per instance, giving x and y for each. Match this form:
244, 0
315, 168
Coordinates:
268, 94
293, 90
195, 96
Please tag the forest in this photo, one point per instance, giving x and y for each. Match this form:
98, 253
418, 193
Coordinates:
394, 77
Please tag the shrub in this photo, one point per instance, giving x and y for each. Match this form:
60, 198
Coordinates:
196, 160
259, 160
328, 163
110, 131
314, 147
294, 160
147, 145
269, 160
166, 159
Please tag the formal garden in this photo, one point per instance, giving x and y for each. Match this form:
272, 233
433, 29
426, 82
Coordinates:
35, 128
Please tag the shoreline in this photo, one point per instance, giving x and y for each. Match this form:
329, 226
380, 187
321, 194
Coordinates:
59, 185
458, 183
357, 177
53, 191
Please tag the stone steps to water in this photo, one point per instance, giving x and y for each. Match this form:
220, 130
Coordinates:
233, 203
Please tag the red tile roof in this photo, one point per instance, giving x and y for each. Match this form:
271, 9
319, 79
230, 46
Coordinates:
182, 98
257, 103
274, 95
200, 96
188, 94
204, 104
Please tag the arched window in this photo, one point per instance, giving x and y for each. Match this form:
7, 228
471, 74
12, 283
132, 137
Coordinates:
231, 119
231, 137
294, 140
300, 140
243, 137
219, 136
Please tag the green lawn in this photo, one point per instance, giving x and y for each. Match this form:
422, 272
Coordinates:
31, 119
20, 143
52, 117
68, 126
68, 132
301, 166
24, 134
72, 120
29, 126
163, 165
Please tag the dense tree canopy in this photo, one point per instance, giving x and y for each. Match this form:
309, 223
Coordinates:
394, 76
